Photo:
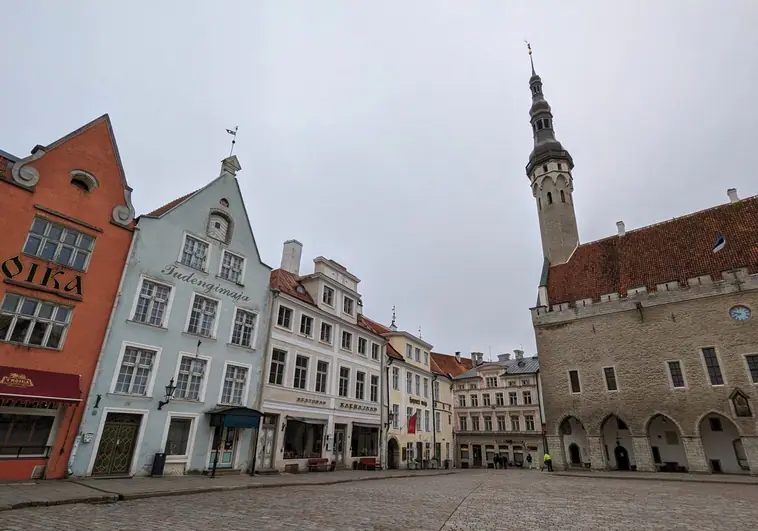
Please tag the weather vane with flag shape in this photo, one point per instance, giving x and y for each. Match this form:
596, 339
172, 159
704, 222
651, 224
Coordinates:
233, 132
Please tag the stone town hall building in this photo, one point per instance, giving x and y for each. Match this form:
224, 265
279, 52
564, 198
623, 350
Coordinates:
648, 339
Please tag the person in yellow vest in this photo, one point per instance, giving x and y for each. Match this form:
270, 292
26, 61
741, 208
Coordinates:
548, 462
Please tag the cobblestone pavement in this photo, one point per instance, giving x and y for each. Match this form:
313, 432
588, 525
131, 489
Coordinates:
476, 500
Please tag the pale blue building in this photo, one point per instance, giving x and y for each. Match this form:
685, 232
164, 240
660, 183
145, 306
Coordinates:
192, 314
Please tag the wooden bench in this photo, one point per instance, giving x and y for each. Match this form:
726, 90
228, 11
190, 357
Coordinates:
367, 463
316, 464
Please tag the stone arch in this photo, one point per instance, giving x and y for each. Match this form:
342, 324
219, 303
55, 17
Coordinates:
574, 441
717, 433
617, 443
84, 180
666, 443
715, 412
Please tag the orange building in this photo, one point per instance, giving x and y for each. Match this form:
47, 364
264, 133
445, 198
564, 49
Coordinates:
66, 223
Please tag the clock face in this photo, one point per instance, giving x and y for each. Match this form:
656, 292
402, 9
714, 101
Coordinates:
740, 313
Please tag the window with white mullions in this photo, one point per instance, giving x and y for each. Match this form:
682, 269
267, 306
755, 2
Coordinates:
56, 243
244, 326
152, 303
32, 322
276, 372
231, 267
202, 317
301, 372
189, 381
322, 374
134, 373
235, 380
194, 253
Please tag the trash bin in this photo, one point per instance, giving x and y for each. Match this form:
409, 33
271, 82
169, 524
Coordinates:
159, 462
447, 463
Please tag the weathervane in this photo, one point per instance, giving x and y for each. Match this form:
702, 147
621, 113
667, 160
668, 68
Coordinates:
419, 332
234, 137
531, 59
392, 325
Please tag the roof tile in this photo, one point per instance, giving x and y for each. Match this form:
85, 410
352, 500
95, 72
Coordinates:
674, 250
447, 364
158, 212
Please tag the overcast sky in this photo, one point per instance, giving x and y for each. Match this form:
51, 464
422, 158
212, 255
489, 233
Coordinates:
392, 136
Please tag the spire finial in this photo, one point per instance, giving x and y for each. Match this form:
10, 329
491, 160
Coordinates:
419, 332
233, 132
393, 326
531, 59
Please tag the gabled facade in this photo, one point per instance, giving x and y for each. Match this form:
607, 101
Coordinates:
192, 314
322, 393
67, 221
647, 339
497, 409
445, 368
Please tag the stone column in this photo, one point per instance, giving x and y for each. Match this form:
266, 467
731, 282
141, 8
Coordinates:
696, 460
750, 444
597, 453
643, 454
555, 449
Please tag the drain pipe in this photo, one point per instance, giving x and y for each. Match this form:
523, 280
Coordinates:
259, 398
98, 367
386, 425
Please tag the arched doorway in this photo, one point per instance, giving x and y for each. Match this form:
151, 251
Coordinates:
393, 453
666, 444
718, 434
617, 443
574, 438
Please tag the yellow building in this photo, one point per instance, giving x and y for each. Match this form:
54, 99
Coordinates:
445, 368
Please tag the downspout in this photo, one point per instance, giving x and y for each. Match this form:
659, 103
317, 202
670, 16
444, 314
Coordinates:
386, 425
434, 423
259, 398
542, 415
98, 366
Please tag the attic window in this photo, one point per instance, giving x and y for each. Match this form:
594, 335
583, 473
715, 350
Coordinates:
83, 181
223, 202
219, 227
300, 289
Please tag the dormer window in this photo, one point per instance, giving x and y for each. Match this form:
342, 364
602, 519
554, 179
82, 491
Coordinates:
83, 181
218, 227
328, 296
347, 305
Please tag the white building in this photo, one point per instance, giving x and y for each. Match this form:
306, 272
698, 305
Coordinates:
322, 391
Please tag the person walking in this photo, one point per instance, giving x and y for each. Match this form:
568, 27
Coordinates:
529, 460
548, 462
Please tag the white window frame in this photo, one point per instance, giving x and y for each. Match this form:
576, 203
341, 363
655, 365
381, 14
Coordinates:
254, 336
705, 367
363, 389
16, 314
189, 315
57, 414
308, 372
395, 371
246, 392
292, 317
153, 371
605, 380
207, 258
579, 377
313, 326
395, 415
358, 346
271, 362
334, 295
203, 387
328, 375
684, 374
438, 421
371, 376
528, 392
331, 335
342, 335
242, 273
193, 417
352, 305
60, 244
378, 350
169, 303
350, 377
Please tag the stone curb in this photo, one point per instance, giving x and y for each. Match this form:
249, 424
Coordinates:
662, 477
109, 498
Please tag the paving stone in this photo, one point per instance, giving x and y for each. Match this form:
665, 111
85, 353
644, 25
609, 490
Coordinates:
466, 501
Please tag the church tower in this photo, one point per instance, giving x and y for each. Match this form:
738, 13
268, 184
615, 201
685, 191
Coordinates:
549, 171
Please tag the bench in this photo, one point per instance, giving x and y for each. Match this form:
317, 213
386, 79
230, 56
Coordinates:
316, 464
367, 463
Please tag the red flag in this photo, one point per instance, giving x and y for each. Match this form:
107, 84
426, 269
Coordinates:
412, 423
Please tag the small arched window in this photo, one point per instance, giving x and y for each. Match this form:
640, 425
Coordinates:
549, 198
563, 197
218, 227
83, 180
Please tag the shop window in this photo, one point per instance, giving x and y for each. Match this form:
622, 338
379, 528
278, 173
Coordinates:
302, 440
364, 441
24, 435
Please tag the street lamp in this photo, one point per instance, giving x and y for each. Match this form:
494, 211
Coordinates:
170, 388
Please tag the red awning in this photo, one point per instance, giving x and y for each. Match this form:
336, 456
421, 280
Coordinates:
26, 384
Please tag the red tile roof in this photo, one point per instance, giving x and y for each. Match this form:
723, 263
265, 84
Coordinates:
290, 284
674, 250
380, 329
4, 167
158, 212
447, 364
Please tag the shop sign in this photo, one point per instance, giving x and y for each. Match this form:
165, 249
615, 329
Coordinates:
16, 379
53, 278
172, 271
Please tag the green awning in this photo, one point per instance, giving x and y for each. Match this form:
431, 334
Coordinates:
235, 417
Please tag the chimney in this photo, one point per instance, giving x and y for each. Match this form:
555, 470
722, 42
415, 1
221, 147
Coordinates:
622, 229
477, 358
732, 193
230, 165
503, 357
458, 356
519, 354
293, 251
